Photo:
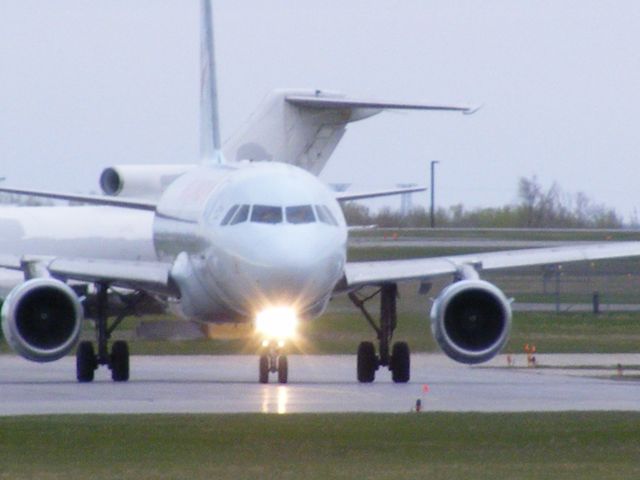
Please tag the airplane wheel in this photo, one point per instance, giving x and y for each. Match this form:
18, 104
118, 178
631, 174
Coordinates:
86, 362
264, 369
367, 362
120, 361
400, 362
283, 369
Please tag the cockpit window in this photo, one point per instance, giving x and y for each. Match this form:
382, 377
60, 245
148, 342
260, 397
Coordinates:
325, 215
295, 215
266, 214
300, 214
227, 217
241, 215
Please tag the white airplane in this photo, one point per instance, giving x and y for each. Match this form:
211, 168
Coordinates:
249, 234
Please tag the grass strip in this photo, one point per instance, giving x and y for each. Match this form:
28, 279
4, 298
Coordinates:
435, 446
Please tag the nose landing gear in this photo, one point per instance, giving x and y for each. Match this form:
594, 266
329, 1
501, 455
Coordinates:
272, 360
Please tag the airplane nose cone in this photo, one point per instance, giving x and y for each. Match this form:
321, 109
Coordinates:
296, 267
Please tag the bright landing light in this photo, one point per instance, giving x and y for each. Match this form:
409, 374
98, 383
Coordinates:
277, 322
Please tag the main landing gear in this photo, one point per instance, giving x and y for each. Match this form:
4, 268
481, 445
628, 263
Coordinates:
88, 361
398, 361
272, 360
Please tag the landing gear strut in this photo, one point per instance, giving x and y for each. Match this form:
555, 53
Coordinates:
398, 360
273, 360
88, 361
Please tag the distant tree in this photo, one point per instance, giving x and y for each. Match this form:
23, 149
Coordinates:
535, 208
356, 214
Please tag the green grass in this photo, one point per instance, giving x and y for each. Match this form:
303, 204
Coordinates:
434, 446
576, 333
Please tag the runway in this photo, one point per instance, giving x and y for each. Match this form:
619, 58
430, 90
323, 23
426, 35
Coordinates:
228, 384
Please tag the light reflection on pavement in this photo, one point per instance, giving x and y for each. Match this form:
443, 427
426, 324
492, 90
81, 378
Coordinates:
228, 384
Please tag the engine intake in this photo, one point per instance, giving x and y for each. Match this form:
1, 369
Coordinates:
42, 319
146, 181
471, 320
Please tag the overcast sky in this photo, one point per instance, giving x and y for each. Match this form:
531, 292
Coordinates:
87, 84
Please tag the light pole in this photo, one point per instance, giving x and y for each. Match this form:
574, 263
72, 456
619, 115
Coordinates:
433, 189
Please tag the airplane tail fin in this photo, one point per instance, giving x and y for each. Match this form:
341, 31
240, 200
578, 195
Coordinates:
303, 128
210, 145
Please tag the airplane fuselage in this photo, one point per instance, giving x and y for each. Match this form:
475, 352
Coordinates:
283, 244
250, 236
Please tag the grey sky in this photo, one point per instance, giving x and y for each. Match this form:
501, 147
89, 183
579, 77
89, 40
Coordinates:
86, 84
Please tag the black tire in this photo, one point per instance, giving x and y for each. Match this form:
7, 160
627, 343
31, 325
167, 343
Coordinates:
283, 369
120, 361
264, 369
400, 362
367, 362
86, 362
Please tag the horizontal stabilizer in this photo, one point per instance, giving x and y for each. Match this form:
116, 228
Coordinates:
349, 103
346, 196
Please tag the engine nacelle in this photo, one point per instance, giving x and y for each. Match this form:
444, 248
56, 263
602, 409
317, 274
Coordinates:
471, 320
42, 319
141, 181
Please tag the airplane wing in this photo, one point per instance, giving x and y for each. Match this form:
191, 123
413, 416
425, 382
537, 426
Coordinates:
10, 262
361, 228
8, 281
346, 196
138, 275
148, 276
88, 199
359, 274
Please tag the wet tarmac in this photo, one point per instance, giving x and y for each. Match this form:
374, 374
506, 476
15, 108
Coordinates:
228, 384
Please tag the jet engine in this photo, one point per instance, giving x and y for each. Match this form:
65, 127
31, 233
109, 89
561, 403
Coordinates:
471, 320
141, 181
41, 319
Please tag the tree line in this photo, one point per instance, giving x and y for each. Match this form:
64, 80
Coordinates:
535, 207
